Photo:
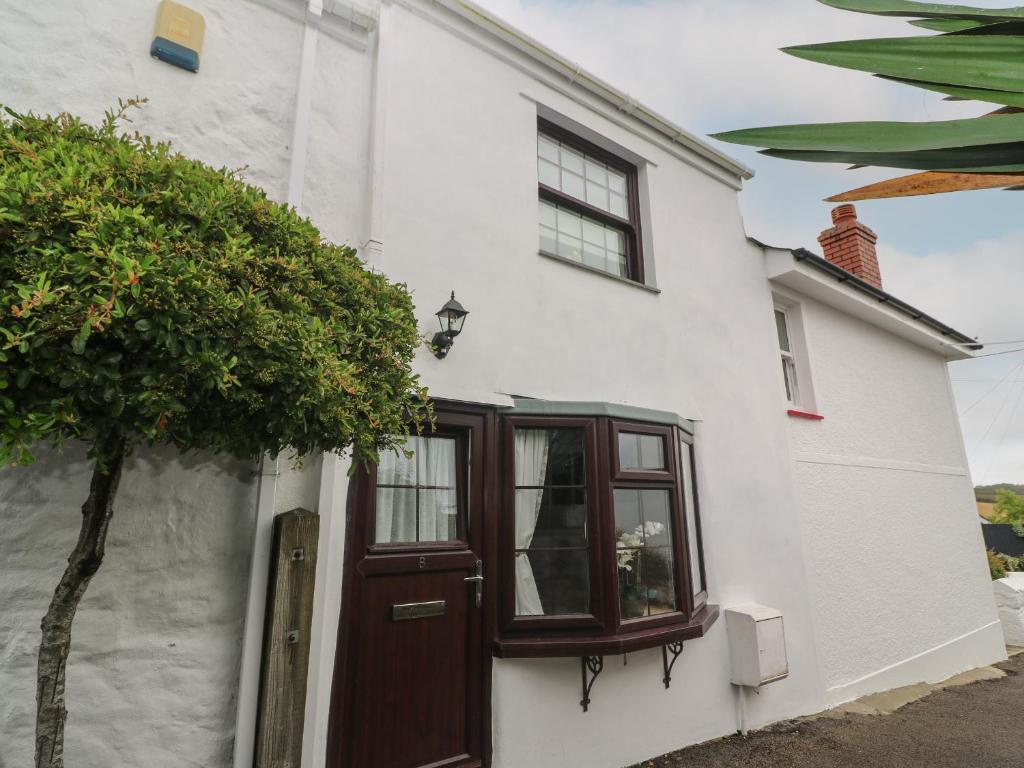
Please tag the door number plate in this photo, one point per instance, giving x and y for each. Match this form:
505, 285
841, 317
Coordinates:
406, 611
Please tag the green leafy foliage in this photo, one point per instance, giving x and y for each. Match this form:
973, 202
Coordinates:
149, 295
975, 61
997, 158
1009, 508
909, 8
881, 136
997, 565
946, 25
979, 56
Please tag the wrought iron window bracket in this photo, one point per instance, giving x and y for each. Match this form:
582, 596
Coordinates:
593, 665
675, 649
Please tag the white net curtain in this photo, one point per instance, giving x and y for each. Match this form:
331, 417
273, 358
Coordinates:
417, 498
531, 461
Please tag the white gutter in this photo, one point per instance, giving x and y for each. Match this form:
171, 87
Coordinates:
578, 76
781, 268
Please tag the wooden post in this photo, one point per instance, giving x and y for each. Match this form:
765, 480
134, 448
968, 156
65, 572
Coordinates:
286, 638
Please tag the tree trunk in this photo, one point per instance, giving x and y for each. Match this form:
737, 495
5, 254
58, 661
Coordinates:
83, 563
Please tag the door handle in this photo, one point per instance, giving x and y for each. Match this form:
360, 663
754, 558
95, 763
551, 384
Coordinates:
478, 582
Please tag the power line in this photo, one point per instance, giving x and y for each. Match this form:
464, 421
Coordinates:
992, 343
995, 354
997, 386
1002, 437
995, 418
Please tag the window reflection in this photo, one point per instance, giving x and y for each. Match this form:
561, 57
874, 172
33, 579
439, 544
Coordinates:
643, 531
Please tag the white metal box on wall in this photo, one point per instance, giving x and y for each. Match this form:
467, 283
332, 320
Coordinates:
757, 645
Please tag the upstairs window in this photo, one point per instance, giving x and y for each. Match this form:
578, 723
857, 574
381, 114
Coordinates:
782, 328
589, 212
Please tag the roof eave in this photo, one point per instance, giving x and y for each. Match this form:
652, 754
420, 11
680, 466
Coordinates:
955, 345
578, 76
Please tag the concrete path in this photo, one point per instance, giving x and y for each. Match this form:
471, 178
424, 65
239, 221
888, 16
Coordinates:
957, 724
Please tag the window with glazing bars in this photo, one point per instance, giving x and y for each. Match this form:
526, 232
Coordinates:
589, 213
788, 361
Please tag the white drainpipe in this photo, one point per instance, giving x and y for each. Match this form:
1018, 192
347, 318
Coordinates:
304, 103
252, 633
373, 245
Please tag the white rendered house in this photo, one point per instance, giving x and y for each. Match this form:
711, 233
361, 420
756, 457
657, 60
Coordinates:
647, 419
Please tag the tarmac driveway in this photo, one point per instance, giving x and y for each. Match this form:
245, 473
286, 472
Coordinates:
981, 724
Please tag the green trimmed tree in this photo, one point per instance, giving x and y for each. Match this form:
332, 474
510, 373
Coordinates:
978, 54
148, 298
1009, 510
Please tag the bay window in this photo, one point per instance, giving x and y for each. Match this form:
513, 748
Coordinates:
601, 546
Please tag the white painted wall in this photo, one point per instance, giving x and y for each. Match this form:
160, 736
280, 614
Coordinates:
155, 646
458, 203
895, 558
154, 672
426, 144
237, 112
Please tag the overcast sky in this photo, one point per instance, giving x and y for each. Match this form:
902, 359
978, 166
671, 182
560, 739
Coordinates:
714, 65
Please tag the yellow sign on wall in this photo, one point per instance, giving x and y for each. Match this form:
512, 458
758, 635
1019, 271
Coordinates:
179, 35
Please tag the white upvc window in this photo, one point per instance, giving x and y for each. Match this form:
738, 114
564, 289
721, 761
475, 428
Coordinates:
789, 374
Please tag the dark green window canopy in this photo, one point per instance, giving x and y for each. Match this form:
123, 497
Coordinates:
526, 406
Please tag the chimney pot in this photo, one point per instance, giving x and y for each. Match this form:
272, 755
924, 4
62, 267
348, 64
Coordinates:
843, 212
851, 245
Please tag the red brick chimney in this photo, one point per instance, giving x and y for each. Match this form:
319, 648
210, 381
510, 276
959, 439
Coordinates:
851, 245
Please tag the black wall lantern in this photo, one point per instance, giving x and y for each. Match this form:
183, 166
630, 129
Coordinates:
451, 316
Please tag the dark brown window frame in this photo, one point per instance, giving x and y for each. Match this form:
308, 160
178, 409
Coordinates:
590, 621
604, 631
699, 599
668, 447
476, 425
630, 226
461, 485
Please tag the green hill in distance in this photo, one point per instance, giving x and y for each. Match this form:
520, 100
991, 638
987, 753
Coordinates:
987, 493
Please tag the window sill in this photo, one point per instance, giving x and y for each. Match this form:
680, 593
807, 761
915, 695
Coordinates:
600, 272
805, 415
606, 645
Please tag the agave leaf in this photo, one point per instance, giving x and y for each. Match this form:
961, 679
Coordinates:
928, 183
884, 136
947, 25
924, 10
999, 158
992, 62
999, 28
958, 93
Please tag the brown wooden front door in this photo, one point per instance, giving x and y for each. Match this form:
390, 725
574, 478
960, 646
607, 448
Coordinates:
410, 674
